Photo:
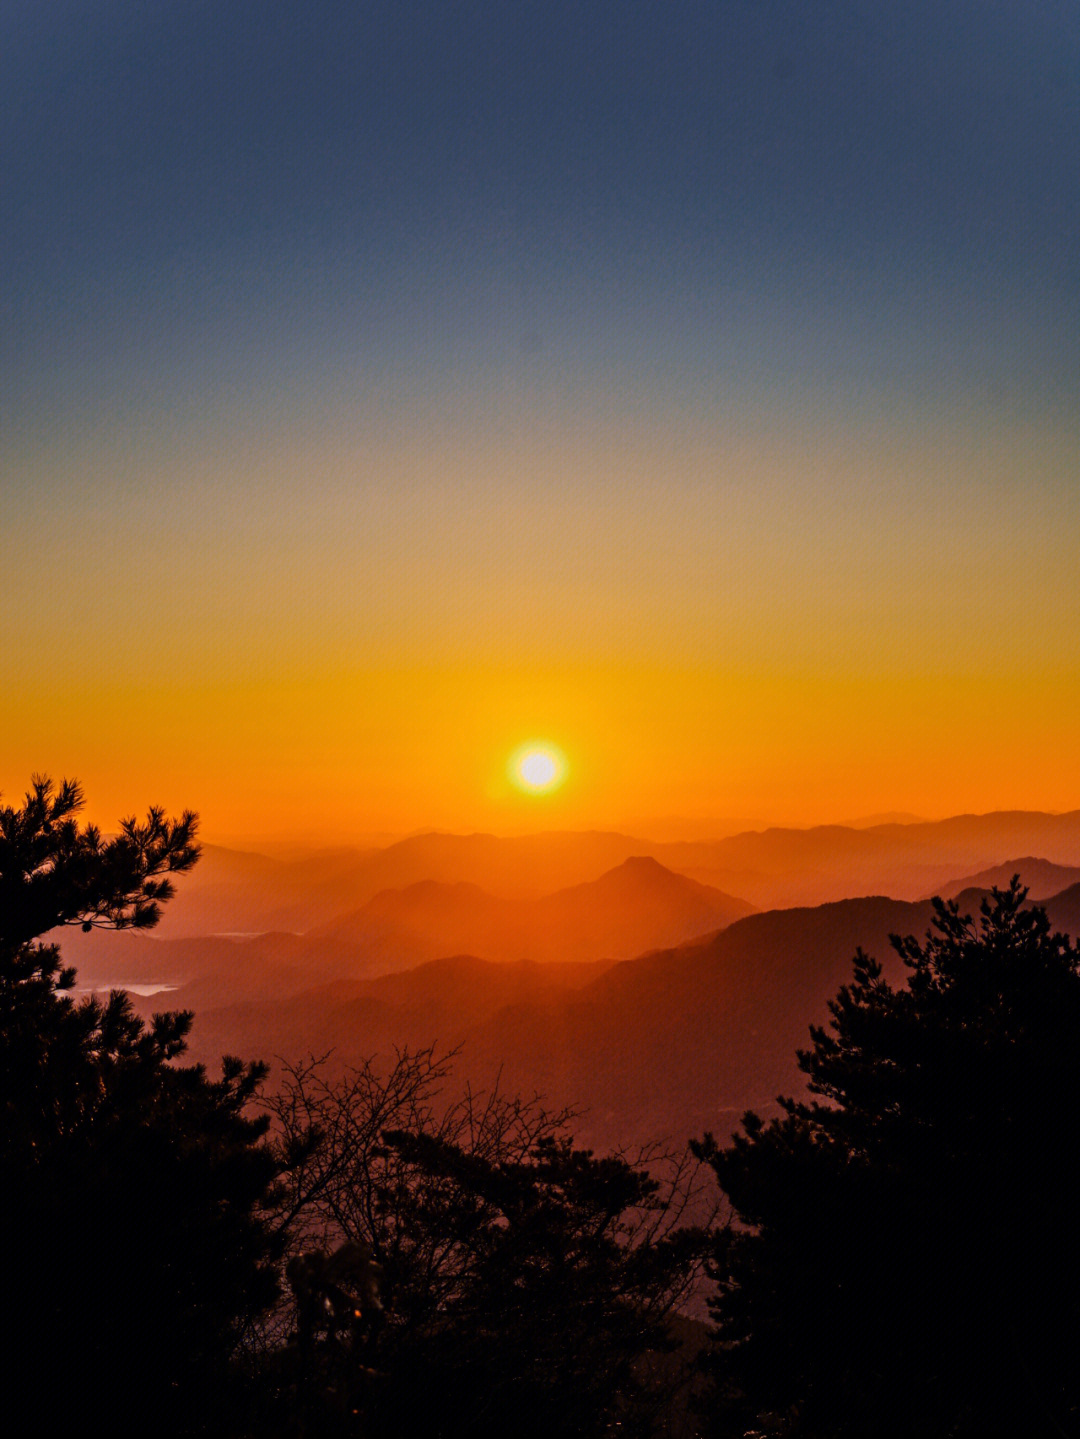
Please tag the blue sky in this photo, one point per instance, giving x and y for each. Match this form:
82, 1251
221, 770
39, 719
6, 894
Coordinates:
815, 193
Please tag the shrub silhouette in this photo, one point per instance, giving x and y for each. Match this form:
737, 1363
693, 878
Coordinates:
137, 1244
522, 1285
905, 1257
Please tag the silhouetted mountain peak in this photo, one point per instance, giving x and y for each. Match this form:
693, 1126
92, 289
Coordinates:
1041, 878
639, 872
642, 878
642, 869
428, 891
642, 864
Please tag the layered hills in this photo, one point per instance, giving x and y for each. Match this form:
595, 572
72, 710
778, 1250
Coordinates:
638, 905
659, 1002
772, 868
1041, 878
673, 1042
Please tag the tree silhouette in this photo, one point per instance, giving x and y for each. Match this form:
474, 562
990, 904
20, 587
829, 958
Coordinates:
906, 1257
137, 1248
525, 1286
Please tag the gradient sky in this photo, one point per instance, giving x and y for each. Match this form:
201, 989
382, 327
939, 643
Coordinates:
690, 385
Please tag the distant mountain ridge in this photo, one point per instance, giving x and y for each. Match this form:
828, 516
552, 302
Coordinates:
667, 1043
638, 905
1041, 878
768, 868
299, 894
671, 1042
783, 867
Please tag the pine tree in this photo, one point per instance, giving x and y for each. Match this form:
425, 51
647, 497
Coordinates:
905, 1257
137, 1245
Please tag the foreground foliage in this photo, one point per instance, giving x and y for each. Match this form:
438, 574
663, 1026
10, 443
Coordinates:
453, 1268
903, 1256
906, 1258
523, 1285
139, 1248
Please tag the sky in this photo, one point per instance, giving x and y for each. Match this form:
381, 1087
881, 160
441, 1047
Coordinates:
688, 386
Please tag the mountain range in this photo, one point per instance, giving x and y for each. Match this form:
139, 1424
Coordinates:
661, 1002
1041, 878
637, 906
773, 868
671, 1043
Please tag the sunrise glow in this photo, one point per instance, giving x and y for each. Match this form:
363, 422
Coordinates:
537, 768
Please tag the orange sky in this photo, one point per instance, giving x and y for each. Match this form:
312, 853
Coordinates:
799, 624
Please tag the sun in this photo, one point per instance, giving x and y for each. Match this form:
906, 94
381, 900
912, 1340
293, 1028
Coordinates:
537, 767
